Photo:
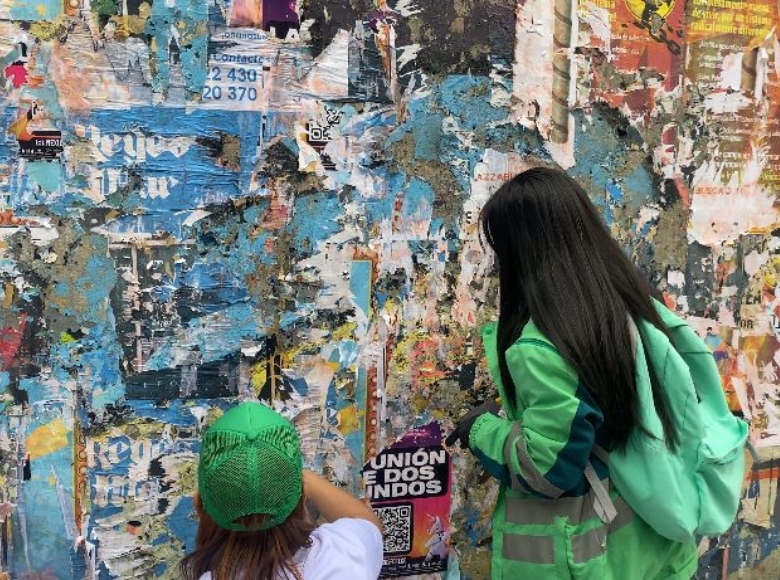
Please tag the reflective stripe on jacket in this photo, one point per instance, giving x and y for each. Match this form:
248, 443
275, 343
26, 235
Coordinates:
549, 521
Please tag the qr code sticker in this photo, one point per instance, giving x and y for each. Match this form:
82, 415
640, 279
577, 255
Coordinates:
397, 522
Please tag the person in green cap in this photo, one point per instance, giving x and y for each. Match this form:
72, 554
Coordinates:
253, 520
563, 361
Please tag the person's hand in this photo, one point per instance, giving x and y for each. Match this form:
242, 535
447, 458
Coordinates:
333, 503
464, 425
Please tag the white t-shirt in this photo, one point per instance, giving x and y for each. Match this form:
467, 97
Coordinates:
347, 548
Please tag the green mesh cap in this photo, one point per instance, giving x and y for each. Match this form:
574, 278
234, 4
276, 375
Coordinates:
250, 463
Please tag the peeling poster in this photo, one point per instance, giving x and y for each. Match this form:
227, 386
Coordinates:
408, 484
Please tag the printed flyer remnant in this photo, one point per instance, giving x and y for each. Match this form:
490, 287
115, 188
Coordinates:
408, 484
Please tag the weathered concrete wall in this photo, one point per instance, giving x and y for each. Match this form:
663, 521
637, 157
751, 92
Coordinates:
208, 200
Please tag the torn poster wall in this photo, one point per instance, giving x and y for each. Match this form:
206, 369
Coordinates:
203, 201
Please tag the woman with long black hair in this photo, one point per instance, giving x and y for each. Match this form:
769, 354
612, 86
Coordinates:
563, 360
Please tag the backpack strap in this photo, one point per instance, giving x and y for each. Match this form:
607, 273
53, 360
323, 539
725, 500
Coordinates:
600, 452
602, 503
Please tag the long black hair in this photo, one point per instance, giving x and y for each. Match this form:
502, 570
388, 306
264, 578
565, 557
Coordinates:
559, 266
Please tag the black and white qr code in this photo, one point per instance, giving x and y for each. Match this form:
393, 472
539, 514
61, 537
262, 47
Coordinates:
397, 522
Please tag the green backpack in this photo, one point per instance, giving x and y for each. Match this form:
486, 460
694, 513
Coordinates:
696, 489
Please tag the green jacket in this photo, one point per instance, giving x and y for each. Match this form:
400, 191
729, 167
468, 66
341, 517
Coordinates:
546, 523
